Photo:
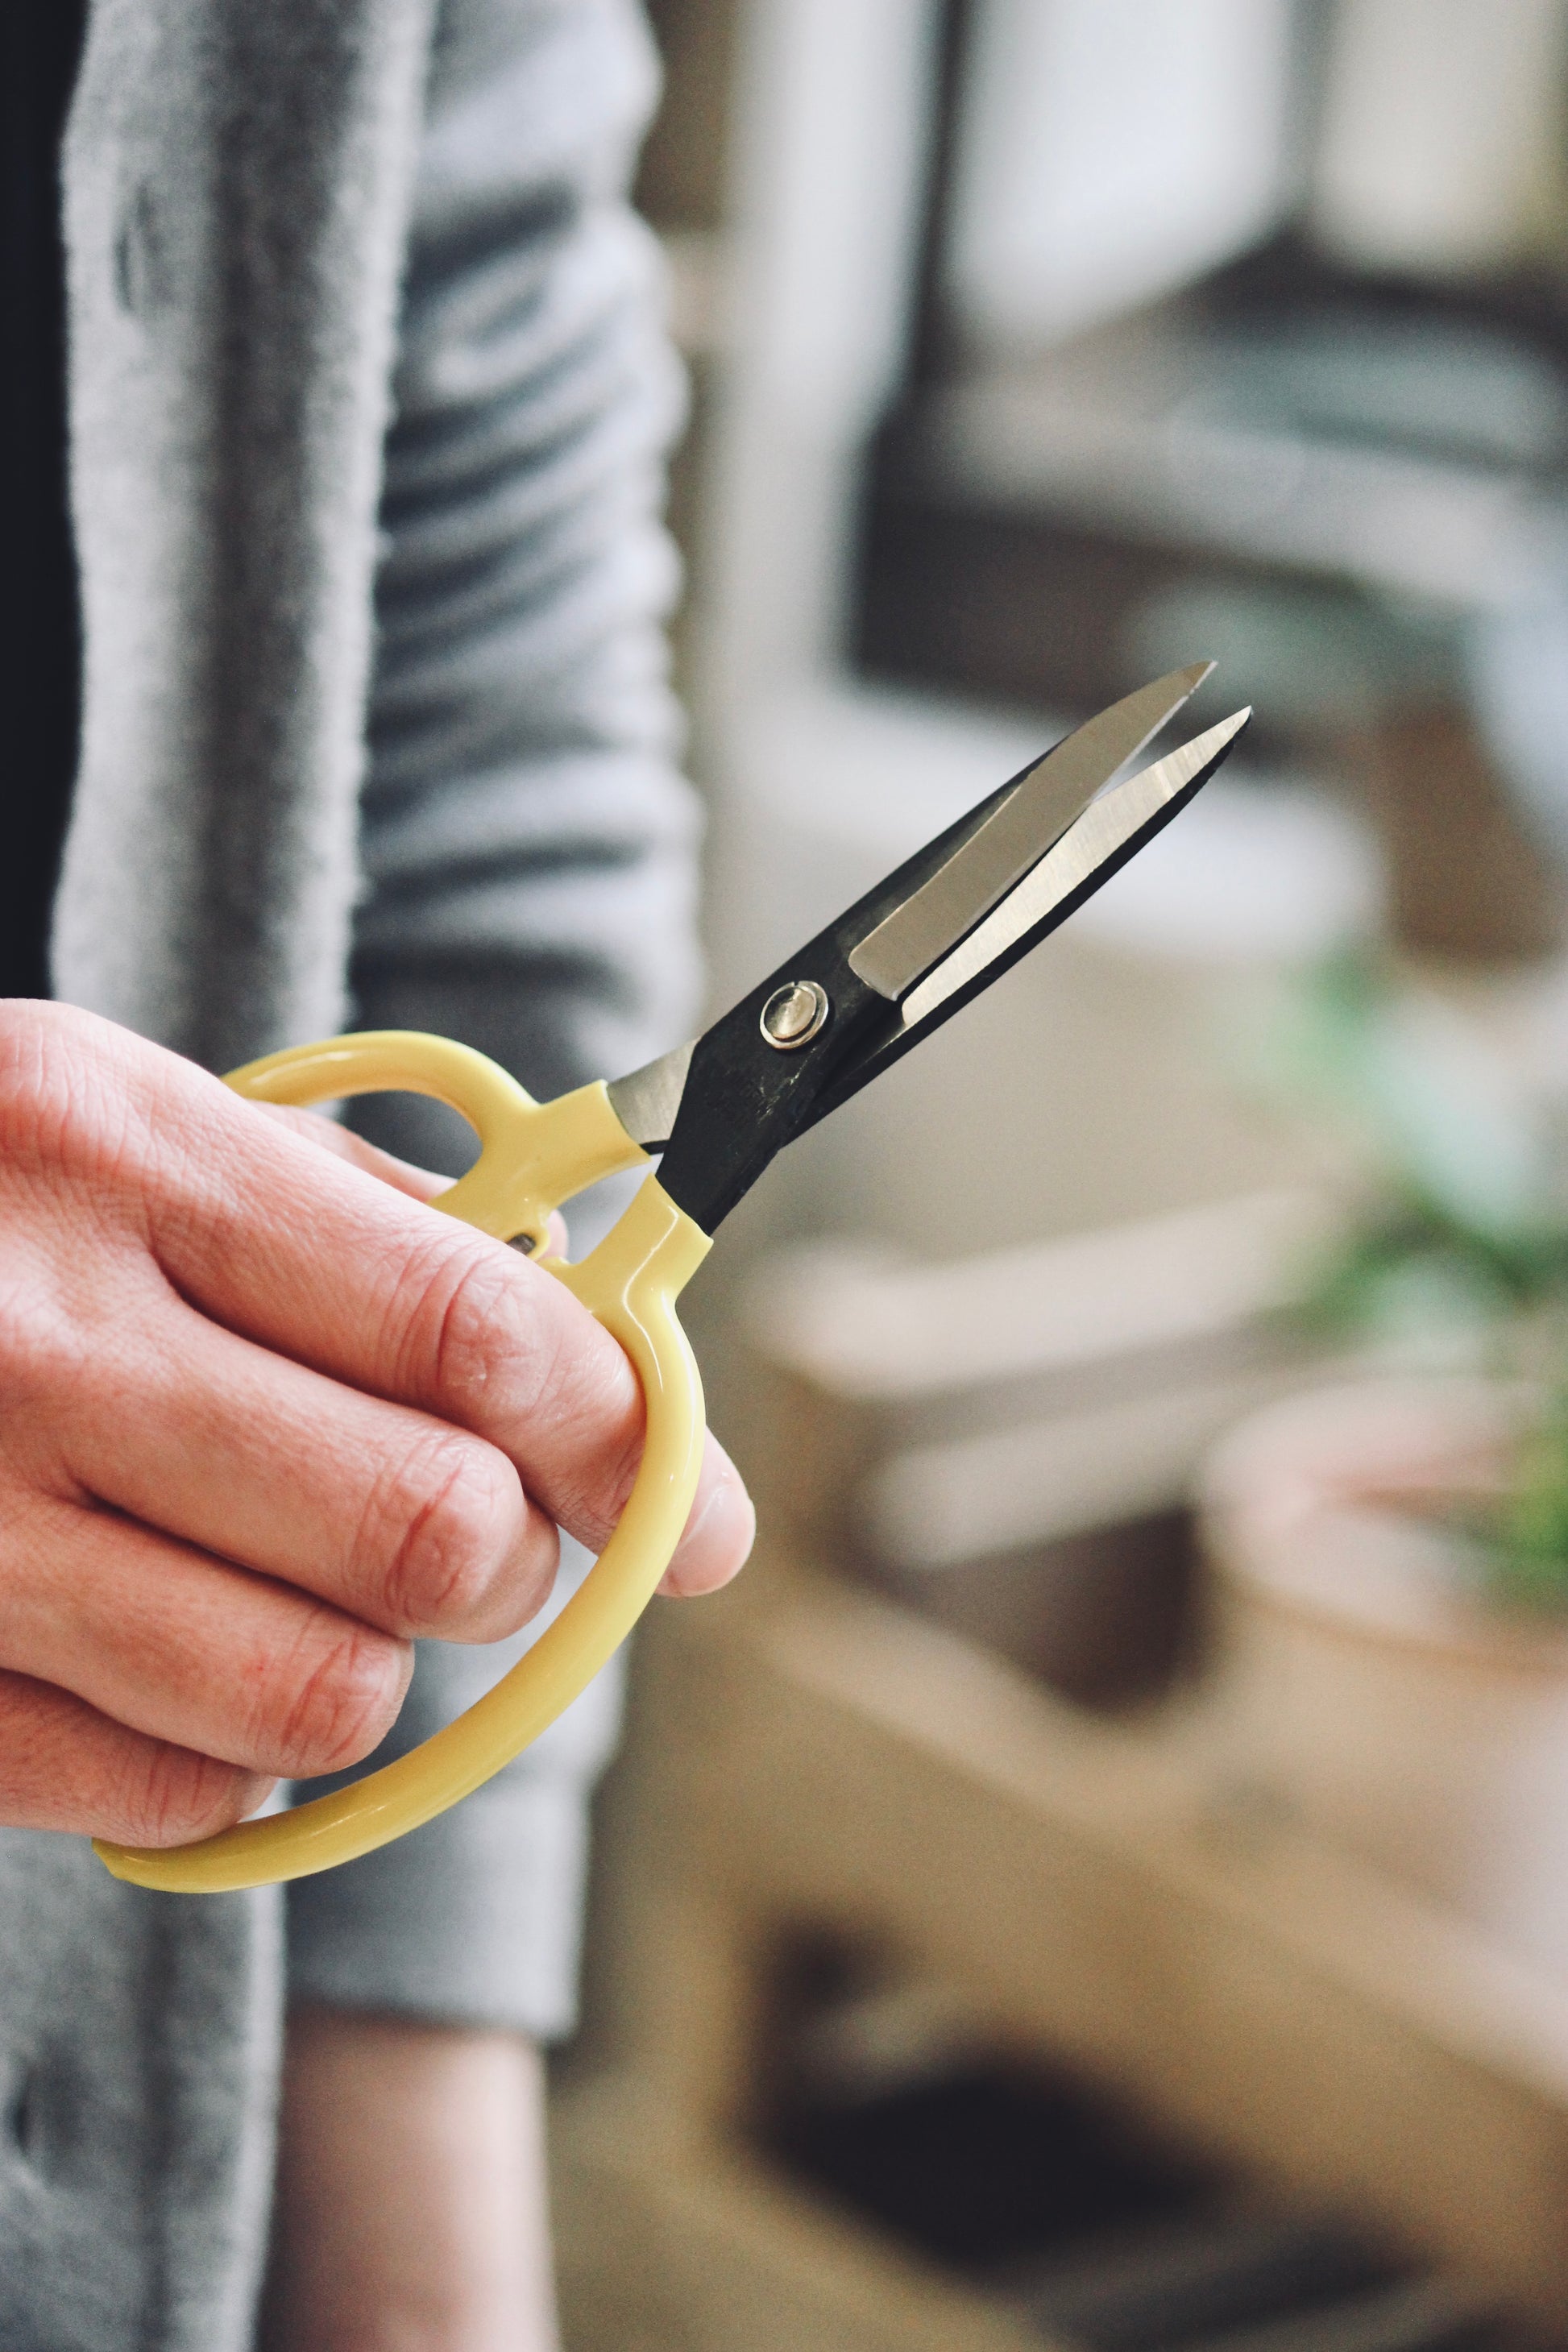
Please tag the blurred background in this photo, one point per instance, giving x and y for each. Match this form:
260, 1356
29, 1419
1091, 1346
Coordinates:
1101, 1878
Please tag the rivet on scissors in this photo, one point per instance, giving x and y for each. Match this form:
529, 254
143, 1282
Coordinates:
794, 1013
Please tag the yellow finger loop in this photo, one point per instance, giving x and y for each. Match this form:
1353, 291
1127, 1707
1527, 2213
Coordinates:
534, 1157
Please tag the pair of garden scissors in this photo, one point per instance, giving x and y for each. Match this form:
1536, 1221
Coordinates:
844, 1008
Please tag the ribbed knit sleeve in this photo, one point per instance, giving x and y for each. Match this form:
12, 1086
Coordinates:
528, 843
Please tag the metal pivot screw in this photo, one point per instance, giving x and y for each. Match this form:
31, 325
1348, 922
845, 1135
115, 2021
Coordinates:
794, 1013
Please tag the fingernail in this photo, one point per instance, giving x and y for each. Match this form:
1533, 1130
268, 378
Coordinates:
718, 1542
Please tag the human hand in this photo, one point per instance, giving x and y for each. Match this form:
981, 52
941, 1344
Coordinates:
411, 2206
263, 1419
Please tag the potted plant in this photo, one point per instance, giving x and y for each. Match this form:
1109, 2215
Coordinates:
1390, 1555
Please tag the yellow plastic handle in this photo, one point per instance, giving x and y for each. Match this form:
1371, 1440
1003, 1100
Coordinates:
534, 1156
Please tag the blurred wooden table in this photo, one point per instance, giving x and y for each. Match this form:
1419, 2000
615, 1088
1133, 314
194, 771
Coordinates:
805, 1755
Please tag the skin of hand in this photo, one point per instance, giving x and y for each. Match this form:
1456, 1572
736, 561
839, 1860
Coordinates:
411, 2211
264, 1418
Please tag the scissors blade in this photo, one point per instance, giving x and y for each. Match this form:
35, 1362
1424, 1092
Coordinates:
647, 1101
1111, 831
1044, 801
814, 1032
914, 914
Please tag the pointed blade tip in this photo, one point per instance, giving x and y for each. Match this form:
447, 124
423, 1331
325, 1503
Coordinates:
1177, 687
1224, 731
887, 959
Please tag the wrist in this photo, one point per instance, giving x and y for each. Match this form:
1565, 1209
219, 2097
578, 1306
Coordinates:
411, 2202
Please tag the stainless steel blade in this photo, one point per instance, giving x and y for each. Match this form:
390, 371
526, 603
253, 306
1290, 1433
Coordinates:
1054, 792
1104, 828
646, 1100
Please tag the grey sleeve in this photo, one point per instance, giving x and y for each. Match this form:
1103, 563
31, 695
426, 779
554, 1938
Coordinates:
529, 844
476, 1917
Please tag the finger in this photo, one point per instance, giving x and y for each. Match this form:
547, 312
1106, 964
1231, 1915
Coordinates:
299, 1250
395, 1516
303, 1252
64, 1766
585, 1490
419, 1183
327, 1135
186, 1649
720, 1531
295, 1249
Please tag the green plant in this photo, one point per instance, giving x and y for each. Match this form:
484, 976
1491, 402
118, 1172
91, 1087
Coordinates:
1527, 1544
1456, 1249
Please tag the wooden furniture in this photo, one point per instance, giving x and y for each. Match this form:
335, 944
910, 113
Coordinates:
1091, 1894
1008, 1439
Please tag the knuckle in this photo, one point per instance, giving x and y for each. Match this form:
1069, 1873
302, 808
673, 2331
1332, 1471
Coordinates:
468, 1334
333, 1699
169, 1795
70, 1085
443, 1525
73, 1353
55, 1365
36, 1096
495, 1345
43, 1345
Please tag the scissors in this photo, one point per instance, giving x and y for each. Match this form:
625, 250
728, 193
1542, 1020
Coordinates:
846, 1006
